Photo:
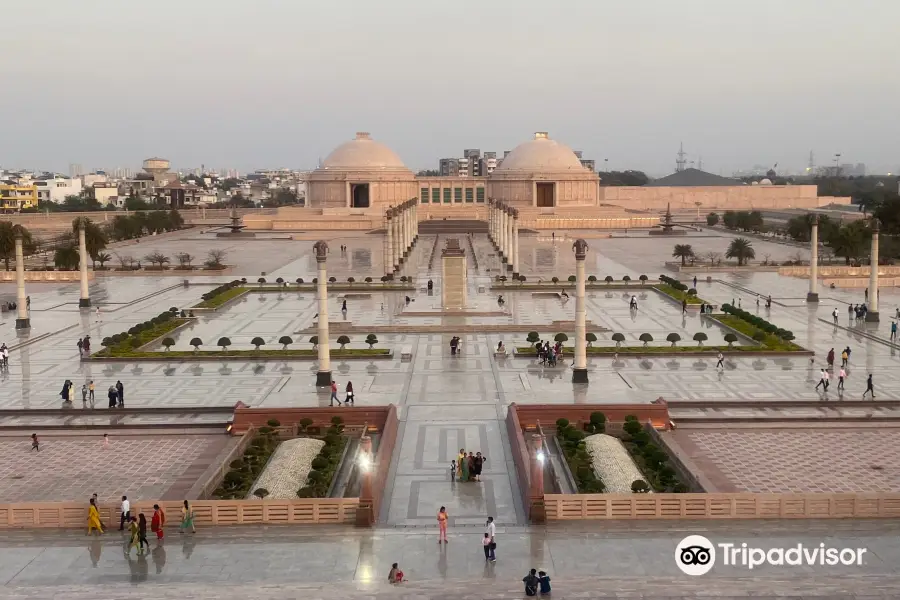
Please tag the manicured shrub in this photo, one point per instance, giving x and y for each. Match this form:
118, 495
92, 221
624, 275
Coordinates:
731, 339
223, 343
646, 338
168, 343
314, 340
618, 338
572, 279
532, 337
608, 279
639, 486
285, 341
371, 340
674, 338
560, 337
319, 463
261, 493
257, 342
590, 338
700, 337
592, 278
343, 341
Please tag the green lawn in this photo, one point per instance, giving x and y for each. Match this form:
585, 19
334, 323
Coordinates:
219, 300
144, 337
668, 290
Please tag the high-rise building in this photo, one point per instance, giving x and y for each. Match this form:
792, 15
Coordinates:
449, 167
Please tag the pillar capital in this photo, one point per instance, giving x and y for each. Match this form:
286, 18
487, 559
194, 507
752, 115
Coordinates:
580, 247
321, 250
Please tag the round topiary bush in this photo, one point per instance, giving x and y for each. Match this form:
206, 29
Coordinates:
608, 279
532, 337
257, 342
700, 337
730, 338
261, 493
618, 338
590, 338
223, 343
319, 463
168, 343
285, 341
572, 279
343, 341
646, 338
760, 336
639, 486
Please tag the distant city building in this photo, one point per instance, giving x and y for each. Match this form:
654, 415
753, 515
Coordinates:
449, 167
55, 188
17, 196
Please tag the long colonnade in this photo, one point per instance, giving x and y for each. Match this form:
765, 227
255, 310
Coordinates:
503, 226
401, 233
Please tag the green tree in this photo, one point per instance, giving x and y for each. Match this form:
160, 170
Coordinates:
741, 249
850, 240
157, 258
102, 258
8, 241
343, 341
94, 236
257, 342
285, 341
684, 252
66, 257
729, 219
712, 219
223, 343
590, 338
371, 340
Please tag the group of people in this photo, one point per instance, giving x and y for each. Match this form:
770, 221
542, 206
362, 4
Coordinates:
348, 390
84, 346
547, 354
115, 394
137, 525
467, 467
855, 312
825, 374
455, 345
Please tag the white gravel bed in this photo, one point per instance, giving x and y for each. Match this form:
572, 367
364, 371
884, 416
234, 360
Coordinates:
612, 463
288, 468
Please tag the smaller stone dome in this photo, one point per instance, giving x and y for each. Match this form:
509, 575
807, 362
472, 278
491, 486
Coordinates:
541, 155
362, 154
765, 181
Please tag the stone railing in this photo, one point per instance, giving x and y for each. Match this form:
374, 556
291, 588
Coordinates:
72, 515
521, 458
839, 271
382, 463
214, 476
720, 506
45, 276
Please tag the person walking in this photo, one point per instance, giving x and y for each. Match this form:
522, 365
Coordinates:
334, 396
94, 518
442, 525
841, 375
830, 359
834, 315
87, 345
35, 442
695, 282
121, 392
134, 535
721, 363
893, 330
80, 345
822, 381
142, 533
479, 464
464, 465
844, 357
349, 391
91, 392
158, 522
492, 534
850, 314
684, 307
126, 513
344, 306
187, 518
113, 396
870, 387
84, 395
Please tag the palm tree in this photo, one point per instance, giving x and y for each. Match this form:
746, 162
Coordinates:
8, 241
741, 249
102, 258
684, 252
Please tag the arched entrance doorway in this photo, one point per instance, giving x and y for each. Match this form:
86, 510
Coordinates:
359, 195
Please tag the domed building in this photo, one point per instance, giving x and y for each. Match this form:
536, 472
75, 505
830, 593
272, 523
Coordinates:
361, 173
543, 173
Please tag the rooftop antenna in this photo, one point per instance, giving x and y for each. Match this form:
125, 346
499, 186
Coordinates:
811, 167
680, 161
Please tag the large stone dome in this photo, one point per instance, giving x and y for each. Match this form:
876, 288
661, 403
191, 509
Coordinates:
362, 154
541, 155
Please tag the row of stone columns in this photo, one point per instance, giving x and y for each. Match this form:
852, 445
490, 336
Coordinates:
401, 233
503, 224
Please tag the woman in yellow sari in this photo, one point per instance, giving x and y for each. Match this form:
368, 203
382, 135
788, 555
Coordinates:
94, 518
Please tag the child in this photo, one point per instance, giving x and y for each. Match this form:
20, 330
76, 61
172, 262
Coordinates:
396, 575
452, 470
486, 542
544, 579
35, 444
105, 442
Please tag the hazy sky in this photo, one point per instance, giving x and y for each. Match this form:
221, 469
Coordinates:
278, 83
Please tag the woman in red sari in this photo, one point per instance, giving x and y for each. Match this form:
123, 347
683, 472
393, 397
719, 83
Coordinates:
158, 522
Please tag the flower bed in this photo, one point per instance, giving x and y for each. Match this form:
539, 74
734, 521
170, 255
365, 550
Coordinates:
768, 341
612, 463
222, 294
571, 441
679, 295
326, 464
650, 459
287, 470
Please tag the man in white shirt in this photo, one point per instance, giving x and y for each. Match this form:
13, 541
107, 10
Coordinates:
126, 512
491, 530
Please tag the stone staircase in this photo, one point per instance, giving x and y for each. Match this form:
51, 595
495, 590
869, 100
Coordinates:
449, 226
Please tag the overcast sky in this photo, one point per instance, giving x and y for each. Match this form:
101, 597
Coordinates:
278, 83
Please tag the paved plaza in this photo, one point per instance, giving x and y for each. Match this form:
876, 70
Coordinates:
68, 469
583, 560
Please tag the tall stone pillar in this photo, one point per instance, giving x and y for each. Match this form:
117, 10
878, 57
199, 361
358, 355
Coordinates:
409, 223
398, 245
323, 375
389, 242
415, 220
504, 253
85, 300
579, 373
511, 265
872, 313
22, 320
813, 295
517, 268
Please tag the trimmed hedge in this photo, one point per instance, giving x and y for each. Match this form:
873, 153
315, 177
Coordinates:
758, 322
571, 440
326, 463
245, 470
222, 294
140, 334
671, 281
